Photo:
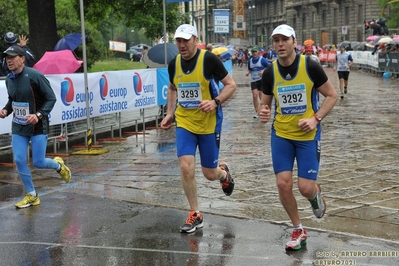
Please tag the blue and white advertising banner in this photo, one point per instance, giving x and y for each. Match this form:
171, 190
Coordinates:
108, 92
221, 18
162, 85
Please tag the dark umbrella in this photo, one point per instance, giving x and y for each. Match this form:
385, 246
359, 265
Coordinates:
69, 42
228, 54
155, 57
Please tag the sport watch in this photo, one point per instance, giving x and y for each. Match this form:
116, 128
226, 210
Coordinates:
39, 115
318, 118
217, 101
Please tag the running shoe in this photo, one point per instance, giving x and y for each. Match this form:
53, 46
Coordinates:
256, 116
345, 90
28, 201
318, 204
193, 222
342, 95
228, 182
298, 239
64, 171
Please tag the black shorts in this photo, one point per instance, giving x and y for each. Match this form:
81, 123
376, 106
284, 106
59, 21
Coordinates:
256, 85
343, 75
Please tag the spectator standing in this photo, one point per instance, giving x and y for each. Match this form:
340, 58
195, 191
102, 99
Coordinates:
209, 47
309, 51
11, 39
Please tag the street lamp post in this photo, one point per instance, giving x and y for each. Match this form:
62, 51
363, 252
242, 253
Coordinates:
251, 9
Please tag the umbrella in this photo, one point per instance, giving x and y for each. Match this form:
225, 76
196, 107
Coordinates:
219, 50
375, 41
396, 38
140, 47
372, 38
393, 42
308, 42
58, 62
228, 54
201, 45
384, 40
155, 57
69, 42
370, 44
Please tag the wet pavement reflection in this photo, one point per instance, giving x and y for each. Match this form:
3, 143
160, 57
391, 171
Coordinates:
124, 207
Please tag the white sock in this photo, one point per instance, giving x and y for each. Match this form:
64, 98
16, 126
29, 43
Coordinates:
224, 175
299, 226
33, 193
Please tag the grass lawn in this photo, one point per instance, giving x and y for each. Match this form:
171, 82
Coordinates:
115, 65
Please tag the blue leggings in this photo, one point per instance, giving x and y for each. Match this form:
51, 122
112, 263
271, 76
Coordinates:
39, 145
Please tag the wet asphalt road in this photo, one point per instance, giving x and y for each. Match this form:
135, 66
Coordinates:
124, 207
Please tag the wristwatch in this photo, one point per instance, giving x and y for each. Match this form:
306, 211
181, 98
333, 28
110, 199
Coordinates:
39, 115
217, 101
318, 118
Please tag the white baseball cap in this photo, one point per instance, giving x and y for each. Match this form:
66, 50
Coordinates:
186, 31
285, 30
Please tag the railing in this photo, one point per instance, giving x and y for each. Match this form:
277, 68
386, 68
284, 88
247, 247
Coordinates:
116, 100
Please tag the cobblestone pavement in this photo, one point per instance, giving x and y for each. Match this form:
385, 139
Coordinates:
358, 177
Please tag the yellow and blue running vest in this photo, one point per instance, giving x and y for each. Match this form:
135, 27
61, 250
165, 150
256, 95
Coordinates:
296, 98
192, 88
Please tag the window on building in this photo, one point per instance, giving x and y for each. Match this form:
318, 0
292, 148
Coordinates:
324, 18
275, 8
313, 19
347, 15
360, 14
335, 16
282, 6
346, 37
303, 20
334, 37
313, 35
359, 34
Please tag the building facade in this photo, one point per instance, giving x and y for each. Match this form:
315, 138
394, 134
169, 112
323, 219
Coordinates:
324, 21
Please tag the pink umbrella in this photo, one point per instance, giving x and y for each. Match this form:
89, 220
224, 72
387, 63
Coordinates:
396, 38
372, 38
58, 62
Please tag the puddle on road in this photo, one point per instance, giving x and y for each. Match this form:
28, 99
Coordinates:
9, 191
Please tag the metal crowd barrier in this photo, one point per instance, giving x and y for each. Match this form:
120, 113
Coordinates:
64, 133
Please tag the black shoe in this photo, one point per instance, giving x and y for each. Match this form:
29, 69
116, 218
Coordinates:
228, 183
342, 95
193, 222
345, 90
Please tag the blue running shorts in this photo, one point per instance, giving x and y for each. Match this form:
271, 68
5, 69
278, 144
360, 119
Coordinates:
307, 154
208, 146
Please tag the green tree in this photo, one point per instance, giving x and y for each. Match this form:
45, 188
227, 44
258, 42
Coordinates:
393, 7
137, 14
14, 18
